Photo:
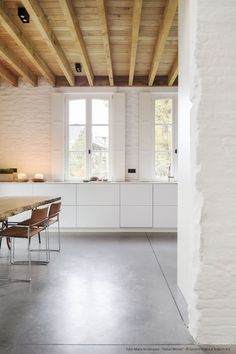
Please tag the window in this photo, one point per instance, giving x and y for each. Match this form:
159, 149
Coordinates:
87, 146
164, 136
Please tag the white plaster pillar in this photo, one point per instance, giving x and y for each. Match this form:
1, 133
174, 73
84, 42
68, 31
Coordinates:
207, 167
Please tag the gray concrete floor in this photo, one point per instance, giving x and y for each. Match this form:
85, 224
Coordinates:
104, 293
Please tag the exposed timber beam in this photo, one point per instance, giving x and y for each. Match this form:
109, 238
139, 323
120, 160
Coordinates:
168, 18
173, 72
101, 81
29, 51
105, 38
135, 33
76, 34
7, 75
42, 24
9, 56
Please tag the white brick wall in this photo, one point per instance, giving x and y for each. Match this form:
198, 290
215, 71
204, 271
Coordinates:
212, 211
25, 128
25, 114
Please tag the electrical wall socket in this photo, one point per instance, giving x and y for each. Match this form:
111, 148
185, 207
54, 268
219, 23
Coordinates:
131, 170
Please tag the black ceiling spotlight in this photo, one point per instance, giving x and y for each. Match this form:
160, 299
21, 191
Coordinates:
78, 67
23, 15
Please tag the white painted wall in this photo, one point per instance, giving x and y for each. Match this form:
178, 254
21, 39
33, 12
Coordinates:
208, 159
25, 114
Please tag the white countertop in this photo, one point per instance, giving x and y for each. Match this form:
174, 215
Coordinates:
108, 182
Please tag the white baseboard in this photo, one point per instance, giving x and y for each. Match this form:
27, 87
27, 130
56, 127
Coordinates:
121, 230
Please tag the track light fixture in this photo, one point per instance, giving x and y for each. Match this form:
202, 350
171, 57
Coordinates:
78, 67
23, 15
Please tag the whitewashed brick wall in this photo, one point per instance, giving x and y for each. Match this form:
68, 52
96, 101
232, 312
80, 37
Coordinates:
25, 128
25, 114
212, 134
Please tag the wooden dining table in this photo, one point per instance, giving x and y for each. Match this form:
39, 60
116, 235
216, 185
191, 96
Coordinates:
10, 206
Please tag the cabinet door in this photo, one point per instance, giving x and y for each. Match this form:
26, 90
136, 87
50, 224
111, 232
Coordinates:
165, 194
136, 194
68, 216
98, 216
98, 194
16, 189
136, 216
64, 190
165, 217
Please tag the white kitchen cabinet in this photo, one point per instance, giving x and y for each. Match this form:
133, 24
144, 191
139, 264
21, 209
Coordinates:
98, 194
16, 189
98, 216
165, 217
165, 194
136, 216
67, 217
136, 194
106, 205
64, 190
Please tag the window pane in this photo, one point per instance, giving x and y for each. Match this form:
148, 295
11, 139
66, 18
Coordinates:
100, 137
163, 137
163, 111
77, 140
100, 111
100, 164
77, 112
77, 164
162, 163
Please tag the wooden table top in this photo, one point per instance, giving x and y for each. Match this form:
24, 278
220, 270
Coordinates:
10, 206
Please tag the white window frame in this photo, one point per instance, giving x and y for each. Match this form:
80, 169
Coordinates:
88, 98
174, 160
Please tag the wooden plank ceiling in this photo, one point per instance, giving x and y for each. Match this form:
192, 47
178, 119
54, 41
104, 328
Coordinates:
117, 42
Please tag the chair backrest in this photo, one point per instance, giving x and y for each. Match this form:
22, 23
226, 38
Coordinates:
54, 210
39, 216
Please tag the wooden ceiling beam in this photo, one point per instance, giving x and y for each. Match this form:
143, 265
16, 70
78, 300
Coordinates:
76, 34
173, 72
105, 38
101, 81
42, 24
137, 9
7, 75
168, 18
9, 56
13, 30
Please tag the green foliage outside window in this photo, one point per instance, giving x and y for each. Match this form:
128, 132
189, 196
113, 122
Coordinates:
163, 136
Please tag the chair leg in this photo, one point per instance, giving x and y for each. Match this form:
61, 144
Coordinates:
8, 243
47, 244
29, 261
59, 235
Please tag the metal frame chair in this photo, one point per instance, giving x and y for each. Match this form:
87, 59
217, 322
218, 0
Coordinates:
53, 217
37, 223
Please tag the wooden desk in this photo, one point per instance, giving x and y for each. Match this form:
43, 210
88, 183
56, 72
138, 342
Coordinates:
10, 206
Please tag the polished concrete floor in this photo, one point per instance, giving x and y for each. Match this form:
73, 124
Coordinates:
104, 293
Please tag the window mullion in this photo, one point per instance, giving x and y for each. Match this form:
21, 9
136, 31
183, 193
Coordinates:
88, 138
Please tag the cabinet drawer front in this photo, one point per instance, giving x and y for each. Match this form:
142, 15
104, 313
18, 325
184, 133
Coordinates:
98, 216
165, 217
165, 194
67, 217
136, 216
136, 194
98, 194
66, 191
15, 189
